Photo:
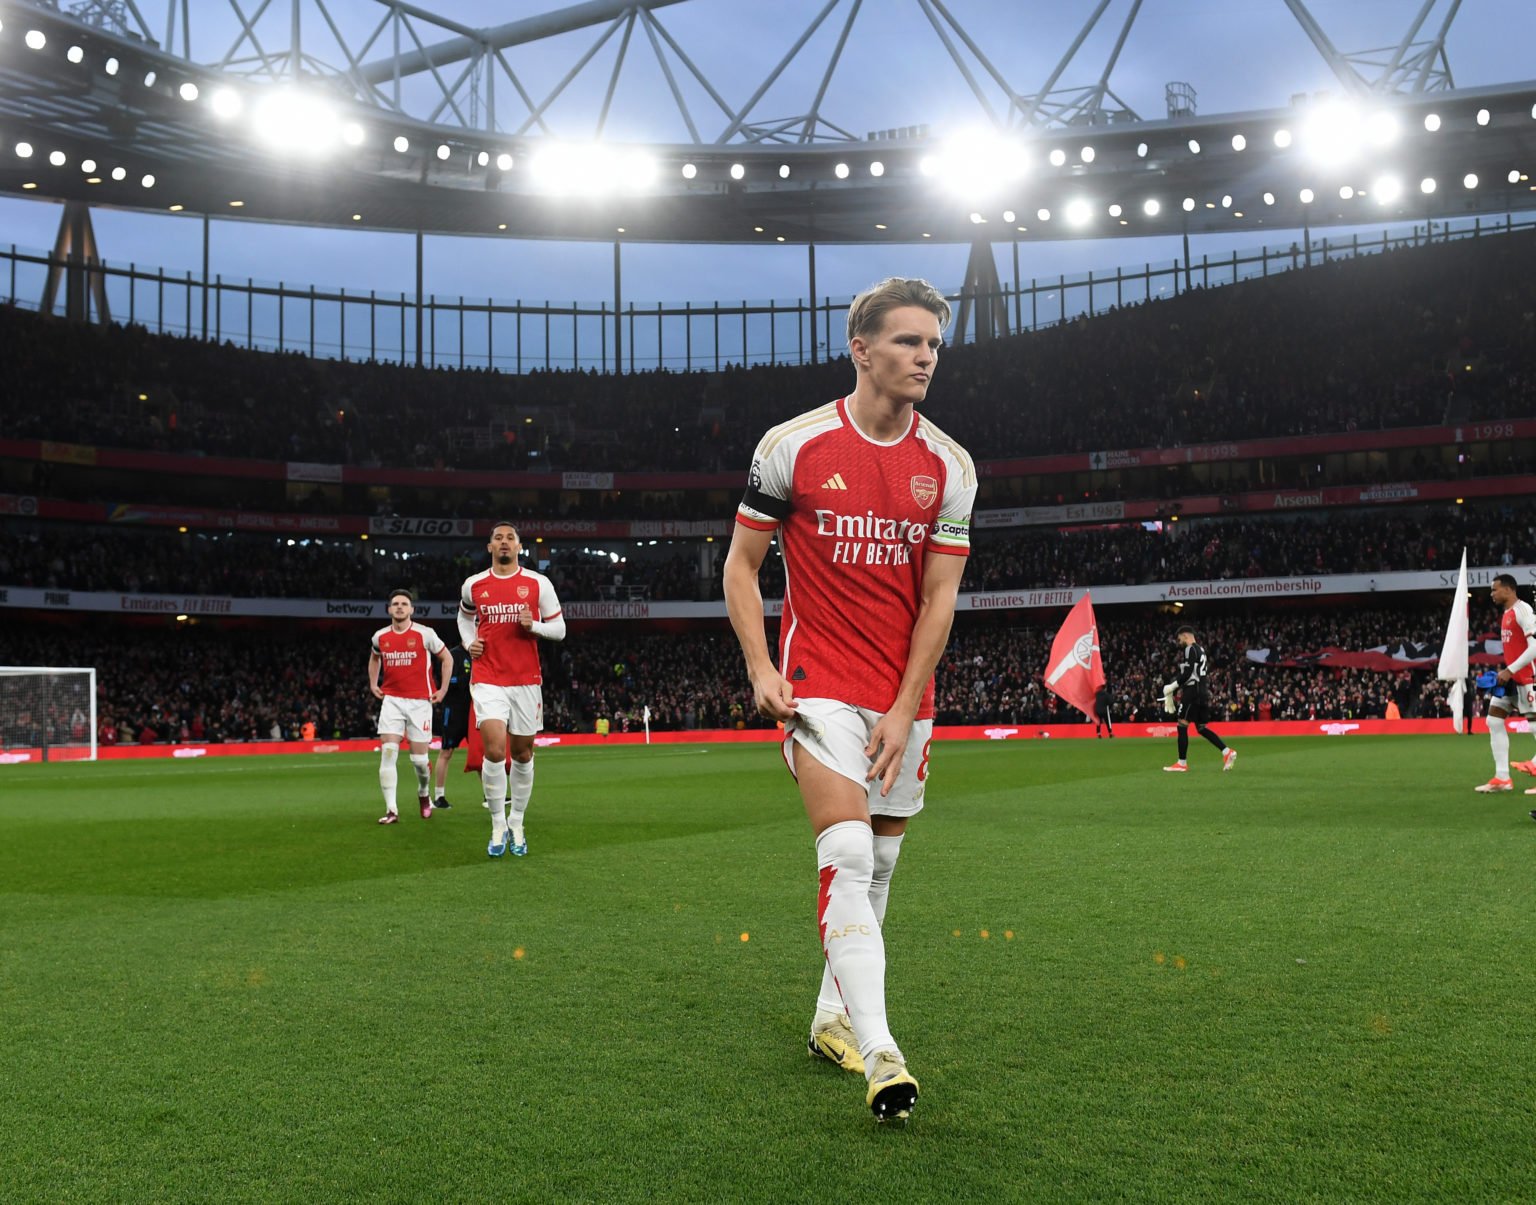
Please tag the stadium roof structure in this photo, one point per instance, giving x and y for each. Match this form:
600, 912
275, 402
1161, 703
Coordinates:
95, 109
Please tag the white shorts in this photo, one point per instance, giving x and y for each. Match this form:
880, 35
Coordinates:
410, 716
1516, 698
835, 735
520, 708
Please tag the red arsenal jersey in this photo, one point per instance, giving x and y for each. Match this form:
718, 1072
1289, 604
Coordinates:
494, 605
1516, 626
407, 658
856, 520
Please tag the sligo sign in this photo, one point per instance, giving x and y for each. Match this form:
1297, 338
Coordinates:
394, 525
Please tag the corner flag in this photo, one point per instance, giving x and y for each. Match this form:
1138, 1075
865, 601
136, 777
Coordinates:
1075, 671
1453, 655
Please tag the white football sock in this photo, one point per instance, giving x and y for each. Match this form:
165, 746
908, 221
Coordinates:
522, 792
1498, 737
828, 1003
850, 934
493, 780
423, 769
389, 777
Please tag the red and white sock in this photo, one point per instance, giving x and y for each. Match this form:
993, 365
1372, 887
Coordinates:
389, 775
850, 931
887, 849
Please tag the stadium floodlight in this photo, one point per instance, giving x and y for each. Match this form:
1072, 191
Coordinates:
443, 151
402, 143
1514, 176
504, 163
1010, 217
1282, 138
1381, 129
1043, 214
784, 170
1141, 150
75, 54
57, 158
1194, 146
298, 122
1337, 132
1079, 212
1427, 185
1239, 143
1226, 201
36, 39
1432, 122
590, 169
87, 166
353, 135
738, 171
978, 163
977, 219
690, 170
1058, 157
226, 104
1188, 204
1269, 198
840, 171
119, 173
1115, 211
1151, 207
1484, 117
1469, 180
23, 150
148, 181
188, 91
1087, 154
110, 66
1307, 196
483, 159
149, 79
1387, 189
877, 169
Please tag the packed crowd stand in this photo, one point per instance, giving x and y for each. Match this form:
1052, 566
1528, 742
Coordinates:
201, 683
1412, 337
1422, 537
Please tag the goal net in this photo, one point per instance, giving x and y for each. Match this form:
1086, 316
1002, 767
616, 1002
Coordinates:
47, 712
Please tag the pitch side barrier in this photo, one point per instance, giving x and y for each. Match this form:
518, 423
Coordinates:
1042, 598
730, 736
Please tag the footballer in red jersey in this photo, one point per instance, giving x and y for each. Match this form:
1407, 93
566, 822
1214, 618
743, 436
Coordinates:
1514, 691
871, 505
400, 677
503, 613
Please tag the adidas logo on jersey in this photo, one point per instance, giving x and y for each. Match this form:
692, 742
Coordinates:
834, 482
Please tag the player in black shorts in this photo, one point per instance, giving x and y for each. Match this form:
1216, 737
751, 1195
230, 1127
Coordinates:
1189, 684
452, 721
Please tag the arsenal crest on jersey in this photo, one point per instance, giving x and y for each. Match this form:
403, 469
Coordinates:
522, 592
924, 491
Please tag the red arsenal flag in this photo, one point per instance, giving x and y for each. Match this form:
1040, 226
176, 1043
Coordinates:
1075, 671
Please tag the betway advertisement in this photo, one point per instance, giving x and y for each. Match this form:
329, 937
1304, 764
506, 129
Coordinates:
1042, 598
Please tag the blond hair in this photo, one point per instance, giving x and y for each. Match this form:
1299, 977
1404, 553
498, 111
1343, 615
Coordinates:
866, 316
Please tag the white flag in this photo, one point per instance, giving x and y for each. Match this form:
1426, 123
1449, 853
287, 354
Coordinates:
1453, 654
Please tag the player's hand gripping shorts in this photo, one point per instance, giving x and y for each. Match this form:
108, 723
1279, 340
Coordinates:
410, 716
520, 708
835, 735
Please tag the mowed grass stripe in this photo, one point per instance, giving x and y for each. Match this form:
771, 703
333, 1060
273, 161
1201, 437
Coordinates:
1299, 981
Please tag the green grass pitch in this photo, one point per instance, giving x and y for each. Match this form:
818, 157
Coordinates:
1311, 979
